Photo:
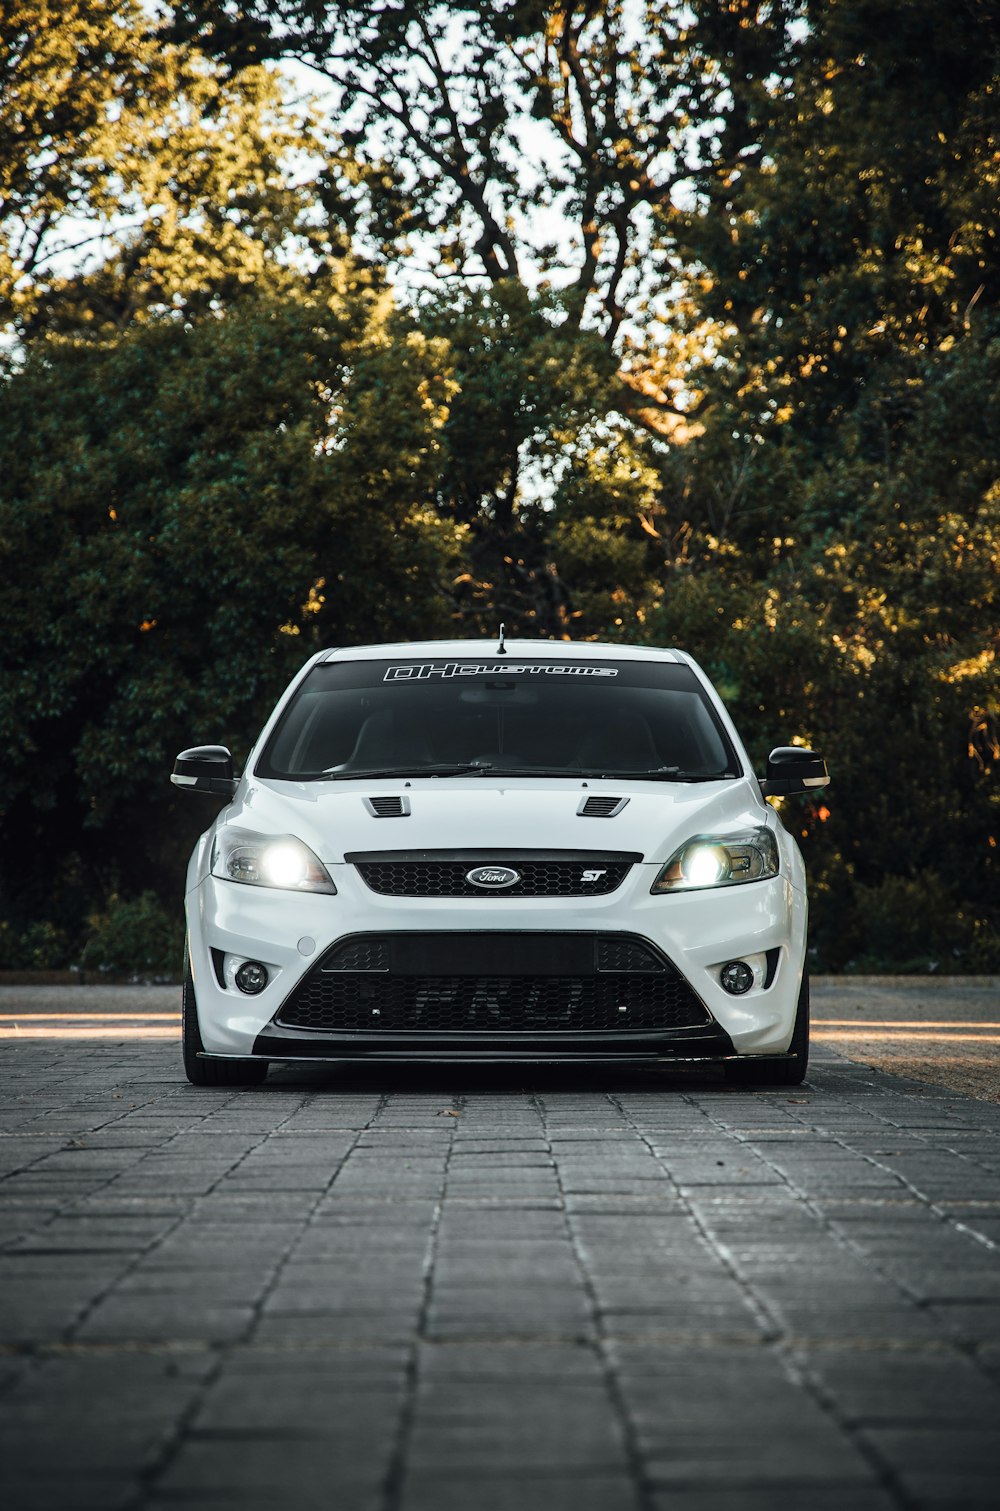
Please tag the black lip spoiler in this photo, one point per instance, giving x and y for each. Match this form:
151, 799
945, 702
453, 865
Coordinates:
701, 1044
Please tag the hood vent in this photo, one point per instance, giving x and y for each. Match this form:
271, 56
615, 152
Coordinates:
388, 807
601, 807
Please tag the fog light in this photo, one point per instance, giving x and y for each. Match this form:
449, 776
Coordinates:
252, 977
736, 977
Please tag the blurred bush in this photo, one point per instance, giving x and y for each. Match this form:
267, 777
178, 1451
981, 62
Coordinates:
35, 947
905, 924
136, 939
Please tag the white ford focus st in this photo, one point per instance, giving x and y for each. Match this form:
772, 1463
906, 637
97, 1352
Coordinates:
465, 850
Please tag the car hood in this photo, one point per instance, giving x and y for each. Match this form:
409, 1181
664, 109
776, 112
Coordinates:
480, 814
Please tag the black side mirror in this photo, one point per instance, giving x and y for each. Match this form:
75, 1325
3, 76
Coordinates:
791, 769
205, 768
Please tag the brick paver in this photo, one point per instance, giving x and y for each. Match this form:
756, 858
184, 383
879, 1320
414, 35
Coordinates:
435, 1290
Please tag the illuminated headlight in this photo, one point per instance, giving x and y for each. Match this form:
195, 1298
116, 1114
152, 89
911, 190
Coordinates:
711, 860
262, 861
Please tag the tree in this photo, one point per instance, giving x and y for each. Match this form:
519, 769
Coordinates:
185, 515
463, 120
699, 303
136, 178
458, 124
862, 226
852, 268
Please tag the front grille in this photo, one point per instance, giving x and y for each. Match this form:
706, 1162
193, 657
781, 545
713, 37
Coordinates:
589, 877
619, 952
490, 1004
492, 984
366, 953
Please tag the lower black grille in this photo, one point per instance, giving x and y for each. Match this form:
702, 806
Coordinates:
365, 953
620, 953
579, 983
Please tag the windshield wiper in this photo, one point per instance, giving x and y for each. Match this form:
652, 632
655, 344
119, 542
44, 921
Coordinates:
657, 774
675, 774
477, 768
334, 774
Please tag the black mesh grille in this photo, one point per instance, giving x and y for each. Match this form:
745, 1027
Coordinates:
536, 878
625, 954
627, 987
491, 1004
366, 953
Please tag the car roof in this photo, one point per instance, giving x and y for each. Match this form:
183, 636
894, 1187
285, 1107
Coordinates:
549, 650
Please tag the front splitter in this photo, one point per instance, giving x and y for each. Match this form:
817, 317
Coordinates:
460, 1057
676, 1045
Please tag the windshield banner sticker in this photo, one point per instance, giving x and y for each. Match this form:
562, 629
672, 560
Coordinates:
493, 669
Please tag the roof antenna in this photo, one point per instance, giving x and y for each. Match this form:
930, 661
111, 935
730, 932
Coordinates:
501, 648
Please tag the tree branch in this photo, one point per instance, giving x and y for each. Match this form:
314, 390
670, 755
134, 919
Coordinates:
495, 247
616, 313
647, 404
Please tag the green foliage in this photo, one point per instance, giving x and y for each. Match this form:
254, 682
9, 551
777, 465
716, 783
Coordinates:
528, 393
844, 587
36, 946
134, 940
913, 924
859, 229
136, 178
912, 803
184, 516
466, 118
745, 400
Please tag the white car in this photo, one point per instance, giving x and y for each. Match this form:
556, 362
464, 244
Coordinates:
481, 851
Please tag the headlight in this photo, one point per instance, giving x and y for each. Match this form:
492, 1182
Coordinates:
711, 860
262, 860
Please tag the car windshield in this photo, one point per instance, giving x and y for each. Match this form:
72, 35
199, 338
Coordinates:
443, 718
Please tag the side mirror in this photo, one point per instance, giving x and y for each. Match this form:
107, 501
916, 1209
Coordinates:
205, 768
791, 769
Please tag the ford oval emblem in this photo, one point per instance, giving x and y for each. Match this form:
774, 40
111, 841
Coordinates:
493, 876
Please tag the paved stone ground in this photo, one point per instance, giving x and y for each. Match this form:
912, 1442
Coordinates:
467, 1290
942, 1029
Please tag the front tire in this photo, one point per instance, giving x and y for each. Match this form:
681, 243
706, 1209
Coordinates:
790, 1072
210, 1072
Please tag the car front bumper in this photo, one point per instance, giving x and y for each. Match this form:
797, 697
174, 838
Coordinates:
695, 932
